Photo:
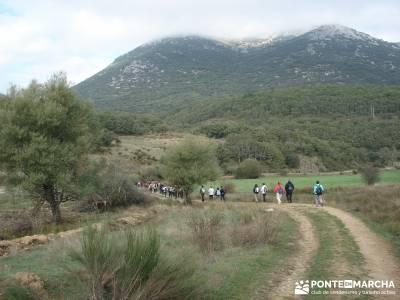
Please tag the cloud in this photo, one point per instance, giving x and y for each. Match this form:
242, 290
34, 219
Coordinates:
82, 36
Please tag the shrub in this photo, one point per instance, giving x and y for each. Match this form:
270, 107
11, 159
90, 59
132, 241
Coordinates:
249, 168
205, 227
132, 267
369, 174
292, 160
253, 231
110, 186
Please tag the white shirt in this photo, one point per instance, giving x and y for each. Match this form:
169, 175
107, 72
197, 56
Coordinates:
211, 191
264, 189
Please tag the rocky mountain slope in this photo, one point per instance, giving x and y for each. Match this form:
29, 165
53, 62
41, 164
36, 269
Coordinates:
164, 74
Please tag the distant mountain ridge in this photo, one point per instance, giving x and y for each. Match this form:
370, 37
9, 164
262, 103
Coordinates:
162, 75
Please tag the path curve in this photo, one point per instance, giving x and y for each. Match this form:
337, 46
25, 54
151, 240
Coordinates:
379, 260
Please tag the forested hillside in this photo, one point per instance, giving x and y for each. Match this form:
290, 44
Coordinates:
340, 127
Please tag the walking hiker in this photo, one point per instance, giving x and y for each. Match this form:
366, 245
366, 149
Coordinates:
289, 188
256, 190
318, 190
218, 193
202, 193
222, 191
264, 191
211, 193
279, 191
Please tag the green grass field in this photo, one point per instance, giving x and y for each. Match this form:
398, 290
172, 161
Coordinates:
306, 181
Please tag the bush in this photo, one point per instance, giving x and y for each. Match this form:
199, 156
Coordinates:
249, 168
132, 267
369, 174
253, 231
205, 227
109, 186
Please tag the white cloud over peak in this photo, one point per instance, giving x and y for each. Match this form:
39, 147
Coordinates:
82, 37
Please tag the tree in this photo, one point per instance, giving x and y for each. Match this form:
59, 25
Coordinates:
45, 137
370, 174
189, 163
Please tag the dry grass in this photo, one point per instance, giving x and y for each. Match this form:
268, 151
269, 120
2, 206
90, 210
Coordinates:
255, 229
206, 228
135, 152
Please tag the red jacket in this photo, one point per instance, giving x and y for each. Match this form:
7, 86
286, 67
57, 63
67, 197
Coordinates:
278, 187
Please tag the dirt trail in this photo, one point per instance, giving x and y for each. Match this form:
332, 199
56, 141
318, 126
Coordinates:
379, 260
305, 252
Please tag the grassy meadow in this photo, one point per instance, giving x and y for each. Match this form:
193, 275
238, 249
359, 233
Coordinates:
329, 180
216, 268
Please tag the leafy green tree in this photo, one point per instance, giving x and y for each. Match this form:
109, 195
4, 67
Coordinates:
189, 163
45, 137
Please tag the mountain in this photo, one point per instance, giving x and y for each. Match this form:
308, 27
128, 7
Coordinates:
160, 76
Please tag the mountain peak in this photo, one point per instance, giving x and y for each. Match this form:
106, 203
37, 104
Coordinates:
329, 31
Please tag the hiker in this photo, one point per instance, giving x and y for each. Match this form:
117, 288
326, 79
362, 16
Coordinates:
279, 190
318, 190
264, 191
289, 188
222, 191
256, 190
218, 193
165, 191
202, 193
211, 193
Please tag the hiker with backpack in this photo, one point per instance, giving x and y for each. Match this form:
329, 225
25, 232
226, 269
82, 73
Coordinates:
318, 191
222, 192
279, 191
211, 192
256, 190
202, 193
264, 191
289, 188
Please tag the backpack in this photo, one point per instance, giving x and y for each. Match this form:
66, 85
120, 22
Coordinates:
290, 188
318, 190
255, 190
280, 191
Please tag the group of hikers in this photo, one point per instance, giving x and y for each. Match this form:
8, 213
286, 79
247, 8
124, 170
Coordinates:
219, 193
288, 190
169, 191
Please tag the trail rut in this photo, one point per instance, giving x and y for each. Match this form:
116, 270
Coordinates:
305, 252
379, 260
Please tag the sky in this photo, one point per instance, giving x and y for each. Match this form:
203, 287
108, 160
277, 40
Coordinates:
40, 37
